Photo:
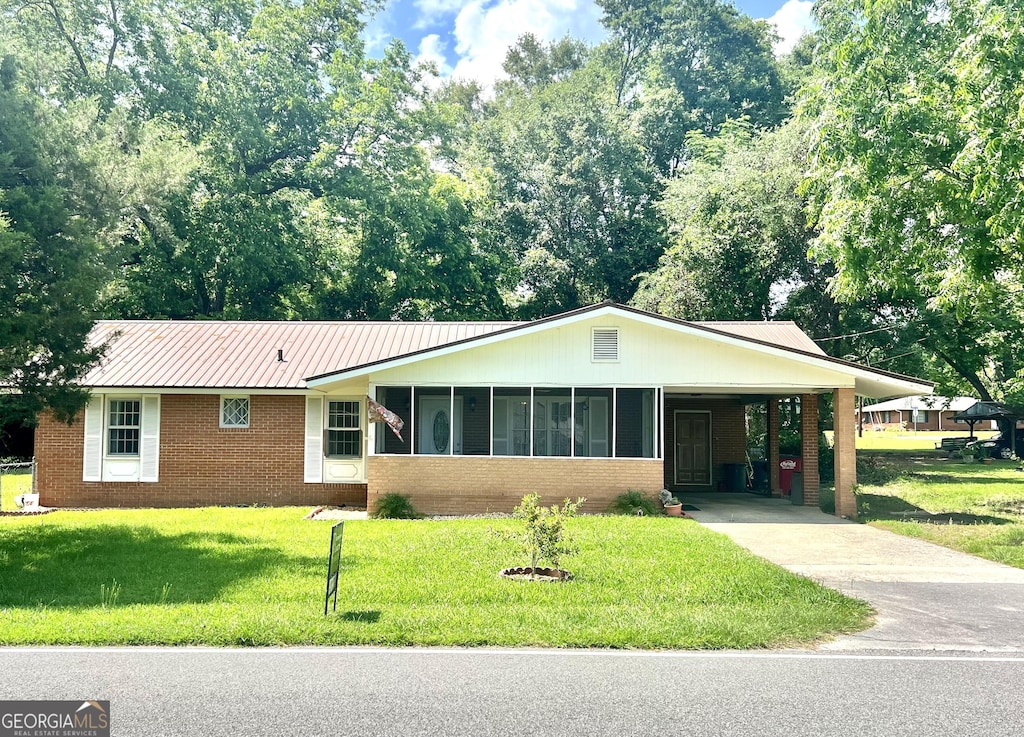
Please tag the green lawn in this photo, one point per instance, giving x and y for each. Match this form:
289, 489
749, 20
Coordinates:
890, 441
976, 508
12, 484
256, 577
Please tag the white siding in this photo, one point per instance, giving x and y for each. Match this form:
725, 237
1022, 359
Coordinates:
649, 355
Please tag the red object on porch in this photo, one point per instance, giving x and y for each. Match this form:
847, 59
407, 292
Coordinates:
788, 465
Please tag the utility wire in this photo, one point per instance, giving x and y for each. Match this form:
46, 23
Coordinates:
854, 335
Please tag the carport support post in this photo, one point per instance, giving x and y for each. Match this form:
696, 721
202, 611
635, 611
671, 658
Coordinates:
773, 447
809, 447
845, 452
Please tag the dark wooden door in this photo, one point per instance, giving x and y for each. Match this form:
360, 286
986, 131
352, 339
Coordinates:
693, 448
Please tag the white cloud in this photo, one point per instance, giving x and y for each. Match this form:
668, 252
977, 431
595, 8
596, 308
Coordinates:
486, 29
432, 50
430, 11
791, 22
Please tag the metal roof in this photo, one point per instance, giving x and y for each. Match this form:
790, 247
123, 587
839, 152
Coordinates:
784, 334
244, 355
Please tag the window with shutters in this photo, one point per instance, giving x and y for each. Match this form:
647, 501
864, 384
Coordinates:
605, 345
344, 433
123, 426
234, 411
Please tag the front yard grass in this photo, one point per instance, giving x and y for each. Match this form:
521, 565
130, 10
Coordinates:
12, 484
224, 576
975, 508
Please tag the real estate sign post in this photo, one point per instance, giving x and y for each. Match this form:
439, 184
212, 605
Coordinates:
334, 565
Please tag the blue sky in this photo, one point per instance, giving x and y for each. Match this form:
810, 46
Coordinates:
469, 38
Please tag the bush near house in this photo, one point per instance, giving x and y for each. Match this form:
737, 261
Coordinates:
224, 576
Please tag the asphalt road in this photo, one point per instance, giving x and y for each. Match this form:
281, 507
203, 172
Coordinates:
479, 693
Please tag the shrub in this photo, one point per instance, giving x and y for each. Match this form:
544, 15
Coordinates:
874, 471
634, 502
544, 536
394, 506
826, 461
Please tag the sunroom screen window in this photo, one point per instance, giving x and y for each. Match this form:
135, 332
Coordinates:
552, 418
511, 433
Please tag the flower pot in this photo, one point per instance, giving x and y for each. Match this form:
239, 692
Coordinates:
674, 510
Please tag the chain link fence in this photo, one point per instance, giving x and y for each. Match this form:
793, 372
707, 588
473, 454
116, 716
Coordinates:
16, 479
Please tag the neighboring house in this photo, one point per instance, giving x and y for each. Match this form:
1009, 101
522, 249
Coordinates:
932, 413
588, 403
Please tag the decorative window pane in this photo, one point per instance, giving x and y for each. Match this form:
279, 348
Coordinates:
123, 427
344, 436
234, 412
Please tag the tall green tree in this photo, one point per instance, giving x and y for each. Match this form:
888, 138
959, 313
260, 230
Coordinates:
737, 227
914, 185
49, 257
690, 65
574, 196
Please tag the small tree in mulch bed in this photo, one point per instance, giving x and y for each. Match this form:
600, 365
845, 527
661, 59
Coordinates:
544, 537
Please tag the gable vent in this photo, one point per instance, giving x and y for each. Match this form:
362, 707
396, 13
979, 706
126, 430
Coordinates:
605, 344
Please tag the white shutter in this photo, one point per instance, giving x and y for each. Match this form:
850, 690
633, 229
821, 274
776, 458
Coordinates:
149, 439
92, 456
314, 446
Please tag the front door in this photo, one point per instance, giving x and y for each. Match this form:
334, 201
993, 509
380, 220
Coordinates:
434, 419
693, 448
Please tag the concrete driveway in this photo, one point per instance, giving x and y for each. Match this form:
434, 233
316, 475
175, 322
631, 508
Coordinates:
927, 597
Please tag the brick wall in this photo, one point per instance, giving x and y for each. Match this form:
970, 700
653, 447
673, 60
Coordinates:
809, 447
200, 462
473, 485
728, 436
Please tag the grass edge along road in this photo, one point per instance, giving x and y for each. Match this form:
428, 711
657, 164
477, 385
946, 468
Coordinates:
227, 576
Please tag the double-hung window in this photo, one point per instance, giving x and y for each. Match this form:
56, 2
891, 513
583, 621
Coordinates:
124, 422
344, 436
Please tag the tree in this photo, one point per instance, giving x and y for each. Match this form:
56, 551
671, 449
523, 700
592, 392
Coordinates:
690, 65
737, 227
48, 261
912, 185
574, 198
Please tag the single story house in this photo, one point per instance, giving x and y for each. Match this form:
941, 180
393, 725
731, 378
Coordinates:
589, 403
916, 412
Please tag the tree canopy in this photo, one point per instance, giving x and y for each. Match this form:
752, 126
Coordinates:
249, 159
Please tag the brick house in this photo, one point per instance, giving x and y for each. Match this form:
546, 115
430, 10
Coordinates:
591, 403
922, 413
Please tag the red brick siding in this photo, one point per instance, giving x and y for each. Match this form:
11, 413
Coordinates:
728, 436
200, 462
809, 447
473, 484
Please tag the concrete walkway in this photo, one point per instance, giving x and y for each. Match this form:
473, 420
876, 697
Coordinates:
927, 597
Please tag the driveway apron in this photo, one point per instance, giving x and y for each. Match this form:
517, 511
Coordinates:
927, 597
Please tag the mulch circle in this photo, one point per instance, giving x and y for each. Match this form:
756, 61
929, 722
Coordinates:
527, 573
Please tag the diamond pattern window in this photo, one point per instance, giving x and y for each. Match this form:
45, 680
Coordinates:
234, 412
